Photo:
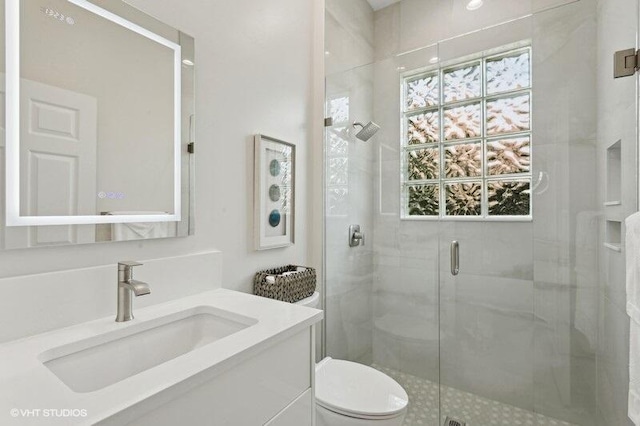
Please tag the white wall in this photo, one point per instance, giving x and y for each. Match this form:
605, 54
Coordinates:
254, 74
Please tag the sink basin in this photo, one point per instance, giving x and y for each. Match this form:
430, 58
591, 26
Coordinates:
96, 363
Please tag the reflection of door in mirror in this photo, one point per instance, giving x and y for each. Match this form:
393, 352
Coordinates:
96, 129
131, 72
58, 164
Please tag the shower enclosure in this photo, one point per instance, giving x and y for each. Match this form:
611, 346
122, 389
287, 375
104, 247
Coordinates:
492, 204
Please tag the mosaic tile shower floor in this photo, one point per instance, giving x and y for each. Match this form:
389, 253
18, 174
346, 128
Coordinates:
475, 410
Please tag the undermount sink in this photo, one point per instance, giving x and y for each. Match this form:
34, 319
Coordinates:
96, 363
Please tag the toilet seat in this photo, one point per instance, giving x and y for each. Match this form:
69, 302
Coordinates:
357, 390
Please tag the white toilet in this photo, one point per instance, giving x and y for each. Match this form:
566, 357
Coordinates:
352, 394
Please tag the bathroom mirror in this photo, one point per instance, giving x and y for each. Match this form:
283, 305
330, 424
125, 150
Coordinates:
97, 124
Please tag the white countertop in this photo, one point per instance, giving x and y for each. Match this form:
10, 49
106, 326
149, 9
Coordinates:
26, 384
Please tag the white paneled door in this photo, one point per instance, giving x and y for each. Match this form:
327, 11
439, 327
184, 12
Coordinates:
58, 149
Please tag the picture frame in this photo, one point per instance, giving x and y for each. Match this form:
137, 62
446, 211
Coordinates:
274, 192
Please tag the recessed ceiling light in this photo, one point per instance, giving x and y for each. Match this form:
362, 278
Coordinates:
401, 68
474, 4
187, 62
434, 60
326, 52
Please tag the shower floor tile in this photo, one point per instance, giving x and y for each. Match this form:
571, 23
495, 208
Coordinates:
475, 410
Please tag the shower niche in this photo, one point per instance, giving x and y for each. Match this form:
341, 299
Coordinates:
613, 224
613, 235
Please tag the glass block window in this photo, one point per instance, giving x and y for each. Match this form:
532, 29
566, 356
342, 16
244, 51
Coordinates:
467, 139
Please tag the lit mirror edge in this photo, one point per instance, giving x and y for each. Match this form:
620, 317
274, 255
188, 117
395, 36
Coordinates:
12, 148
186, 226
89, 220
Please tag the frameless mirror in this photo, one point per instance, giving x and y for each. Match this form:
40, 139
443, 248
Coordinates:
98, 118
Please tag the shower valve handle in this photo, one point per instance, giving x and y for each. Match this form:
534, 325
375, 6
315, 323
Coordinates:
356, 237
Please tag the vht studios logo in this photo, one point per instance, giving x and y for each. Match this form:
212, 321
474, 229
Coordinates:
48, 412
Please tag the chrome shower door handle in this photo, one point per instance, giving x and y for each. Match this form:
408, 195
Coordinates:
455, 258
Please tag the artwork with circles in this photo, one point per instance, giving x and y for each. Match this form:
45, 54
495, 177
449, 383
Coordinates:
274, 183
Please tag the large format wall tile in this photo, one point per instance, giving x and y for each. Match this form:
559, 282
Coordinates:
613, 365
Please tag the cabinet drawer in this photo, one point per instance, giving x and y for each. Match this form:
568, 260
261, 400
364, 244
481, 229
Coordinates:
298, 413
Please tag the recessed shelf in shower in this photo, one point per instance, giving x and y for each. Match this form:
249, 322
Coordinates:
613, 235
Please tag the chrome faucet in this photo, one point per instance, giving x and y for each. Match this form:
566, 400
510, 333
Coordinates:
126, 286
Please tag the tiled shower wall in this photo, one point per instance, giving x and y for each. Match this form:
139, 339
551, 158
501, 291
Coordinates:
565, 212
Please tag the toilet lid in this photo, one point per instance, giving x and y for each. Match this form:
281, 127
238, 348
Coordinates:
311, 302
357, 390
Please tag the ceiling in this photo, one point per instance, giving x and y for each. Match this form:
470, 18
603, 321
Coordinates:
381, 4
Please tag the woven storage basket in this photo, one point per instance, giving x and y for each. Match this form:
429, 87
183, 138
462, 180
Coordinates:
290, 288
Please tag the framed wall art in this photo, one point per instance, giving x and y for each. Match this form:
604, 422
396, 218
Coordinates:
274, 192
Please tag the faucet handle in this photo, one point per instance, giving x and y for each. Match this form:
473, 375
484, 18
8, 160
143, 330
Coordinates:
128, 264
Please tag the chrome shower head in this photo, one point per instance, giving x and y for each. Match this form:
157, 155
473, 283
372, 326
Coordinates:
367, 131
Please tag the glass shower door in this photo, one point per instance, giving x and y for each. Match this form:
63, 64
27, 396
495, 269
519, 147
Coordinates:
487, 323
487, 329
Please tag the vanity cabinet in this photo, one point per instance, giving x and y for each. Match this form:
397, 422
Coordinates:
270, 386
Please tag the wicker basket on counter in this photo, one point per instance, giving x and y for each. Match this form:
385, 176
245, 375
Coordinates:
289, 288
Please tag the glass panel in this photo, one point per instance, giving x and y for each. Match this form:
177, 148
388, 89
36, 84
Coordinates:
423, 128
423, 200
423, 92
510, 73
464, 199
338, 171
338, 142
462, 84
339, 109
506, 156
508, 115
464, 160
423, 164
337, 201
508, 198
462, 122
